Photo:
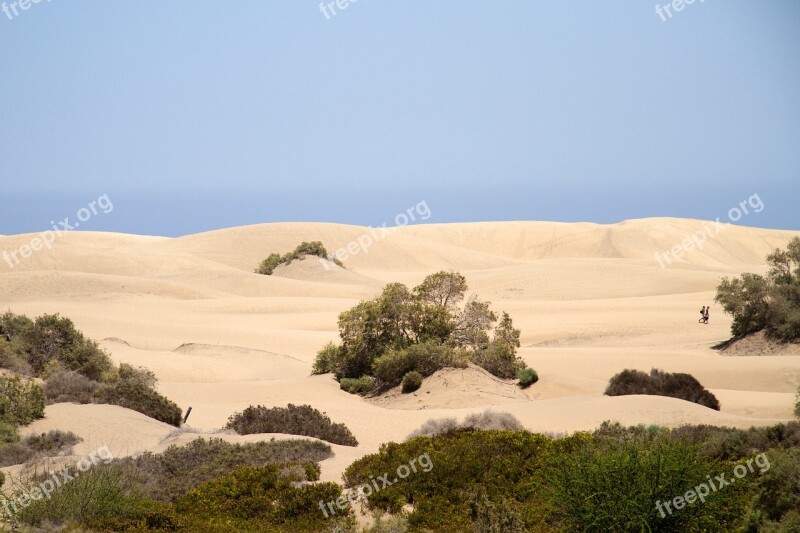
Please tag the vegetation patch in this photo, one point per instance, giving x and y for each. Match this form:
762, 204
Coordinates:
76, 369
50, 444
770, 303
421, 330
487, 420
292, 420
314, 248
660, 383
411, 381
527, 377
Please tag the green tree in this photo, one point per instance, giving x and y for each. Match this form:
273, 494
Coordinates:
442, 288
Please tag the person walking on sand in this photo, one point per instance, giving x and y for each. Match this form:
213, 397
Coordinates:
705, 315
702, 314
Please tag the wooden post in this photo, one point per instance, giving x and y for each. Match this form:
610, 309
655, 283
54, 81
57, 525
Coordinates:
188, 412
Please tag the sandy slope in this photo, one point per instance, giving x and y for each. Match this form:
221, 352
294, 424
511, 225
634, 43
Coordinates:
590, 299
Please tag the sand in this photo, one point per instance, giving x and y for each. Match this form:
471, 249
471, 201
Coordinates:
590, 300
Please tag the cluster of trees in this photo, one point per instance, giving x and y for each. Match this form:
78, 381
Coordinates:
314, 248
76, 369
419, 330
770, 303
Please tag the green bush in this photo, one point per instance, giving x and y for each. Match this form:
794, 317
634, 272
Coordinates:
780, 484
362, 385
8, 432
424, 358
254, 495
328, 359
660, 383
138, 397
76, 369
314, 248
603, 484
13, 357
55, 338
293, 420
499, 359
21, 401
268, 265
411, 382
178, 469
101, 493
527, 377
771, 302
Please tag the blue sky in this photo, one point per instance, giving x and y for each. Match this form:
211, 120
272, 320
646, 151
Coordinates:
197, 115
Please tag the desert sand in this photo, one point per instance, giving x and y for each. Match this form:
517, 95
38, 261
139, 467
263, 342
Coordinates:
590, 299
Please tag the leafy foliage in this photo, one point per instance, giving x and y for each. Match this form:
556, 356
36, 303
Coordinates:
314, 248
411, 382
420, 330
178, 469
21, 401
294, 420
76, 369
259, 494
660, 383
771, 302
527, 377
362, 385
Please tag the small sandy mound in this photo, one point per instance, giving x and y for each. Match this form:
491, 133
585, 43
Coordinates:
453, 388
758, 344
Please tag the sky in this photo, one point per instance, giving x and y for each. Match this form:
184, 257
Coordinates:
192, 116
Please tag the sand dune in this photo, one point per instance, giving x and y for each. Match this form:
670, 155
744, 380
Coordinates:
590, 299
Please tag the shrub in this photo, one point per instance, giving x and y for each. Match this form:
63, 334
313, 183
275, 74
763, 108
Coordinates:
14, 454
8, 432
21, 401
69, 386
527, 377
362, 385
603, 484
44, 445
54, 337
487, 420
255, 495
178, 469
54, 441
424, 358
105, 491
268, 265
293, 420
13, 357
780, 484
658, 382
411, 382
273, 261
499, 359
327, 359
492, 420
138, 397
770, 303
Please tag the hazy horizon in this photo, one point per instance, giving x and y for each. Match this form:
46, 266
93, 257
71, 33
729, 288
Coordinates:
192, 117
